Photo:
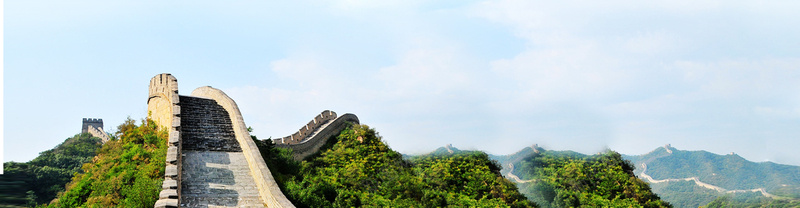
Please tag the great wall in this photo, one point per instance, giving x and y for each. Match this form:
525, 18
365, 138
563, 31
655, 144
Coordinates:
94, 126
699, 183
211, 159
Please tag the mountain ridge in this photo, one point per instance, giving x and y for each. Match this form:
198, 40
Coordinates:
691, 178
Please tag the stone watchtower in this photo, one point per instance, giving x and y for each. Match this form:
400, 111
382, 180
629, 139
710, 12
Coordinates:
94, 126
93, 122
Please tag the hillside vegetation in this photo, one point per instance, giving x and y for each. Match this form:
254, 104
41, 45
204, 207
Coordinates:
39, 180
568, 179
750, 200
127, 172
356, 168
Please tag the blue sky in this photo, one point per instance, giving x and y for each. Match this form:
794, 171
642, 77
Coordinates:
490, 75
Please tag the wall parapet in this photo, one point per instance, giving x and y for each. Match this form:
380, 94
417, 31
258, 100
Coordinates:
318, 136
99, 133
94, 126
163, 105
268, 189
307, 130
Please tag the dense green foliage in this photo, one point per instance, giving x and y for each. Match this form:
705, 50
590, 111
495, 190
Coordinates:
750, 200
573, 180
727, 171
39, 180
125, 173
684, 193
358, 169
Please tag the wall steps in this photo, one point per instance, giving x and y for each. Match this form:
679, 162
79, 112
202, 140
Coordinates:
215, 171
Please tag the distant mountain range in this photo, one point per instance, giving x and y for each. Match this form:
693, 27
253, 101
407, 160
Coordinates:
687, 178
570, 179
695, 178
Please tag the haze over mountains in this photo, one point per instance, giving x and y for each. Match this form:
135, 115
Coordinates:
696, 178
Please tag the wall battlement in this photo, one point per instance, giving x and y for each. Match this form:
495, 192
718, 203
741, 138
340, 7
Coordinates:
317, 136
94, 126
163, 101
87, 122
163, 106
306, 131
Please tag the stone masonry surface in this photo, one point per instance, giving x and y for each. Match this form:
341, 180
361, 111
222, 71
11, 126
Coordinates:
267, 187
218, 179
319, 136
163, 107
206, 126
215, 171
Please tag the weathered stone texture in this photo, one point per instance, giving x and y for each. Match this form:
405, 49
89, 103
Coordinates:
163, 94
206, 126
163, 107
268, 189
211, 159
218, 179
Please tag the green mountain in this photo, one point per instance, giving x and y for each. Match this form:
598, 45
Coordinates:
127, 172
570, 179
697, 178
39, 180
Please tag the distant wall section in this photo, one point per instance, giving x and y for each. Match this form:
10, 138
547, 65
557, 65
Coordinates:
91, 122
94, 126
308, 129
312, 139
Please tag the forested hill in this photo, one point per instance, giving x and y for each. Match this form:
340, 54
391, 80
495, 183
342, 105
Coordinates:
570, 179
696, 178
39, 180
126, 172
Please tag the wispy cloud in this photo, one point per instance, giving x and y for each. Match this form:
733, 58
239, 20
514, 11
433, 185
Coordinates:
494, 75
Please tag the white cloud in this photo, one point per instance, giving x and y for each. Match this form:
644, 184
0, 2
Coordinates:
427, 72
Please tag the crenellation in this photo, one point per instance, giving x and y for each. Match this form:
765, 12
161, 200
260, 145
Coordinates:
94, 126
87, 122
318, 136
163, 106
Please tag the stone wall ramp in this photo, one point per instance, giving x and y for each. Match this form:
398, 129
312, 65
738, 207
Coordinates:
215, 171
218, 179
211, 159
268, 190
